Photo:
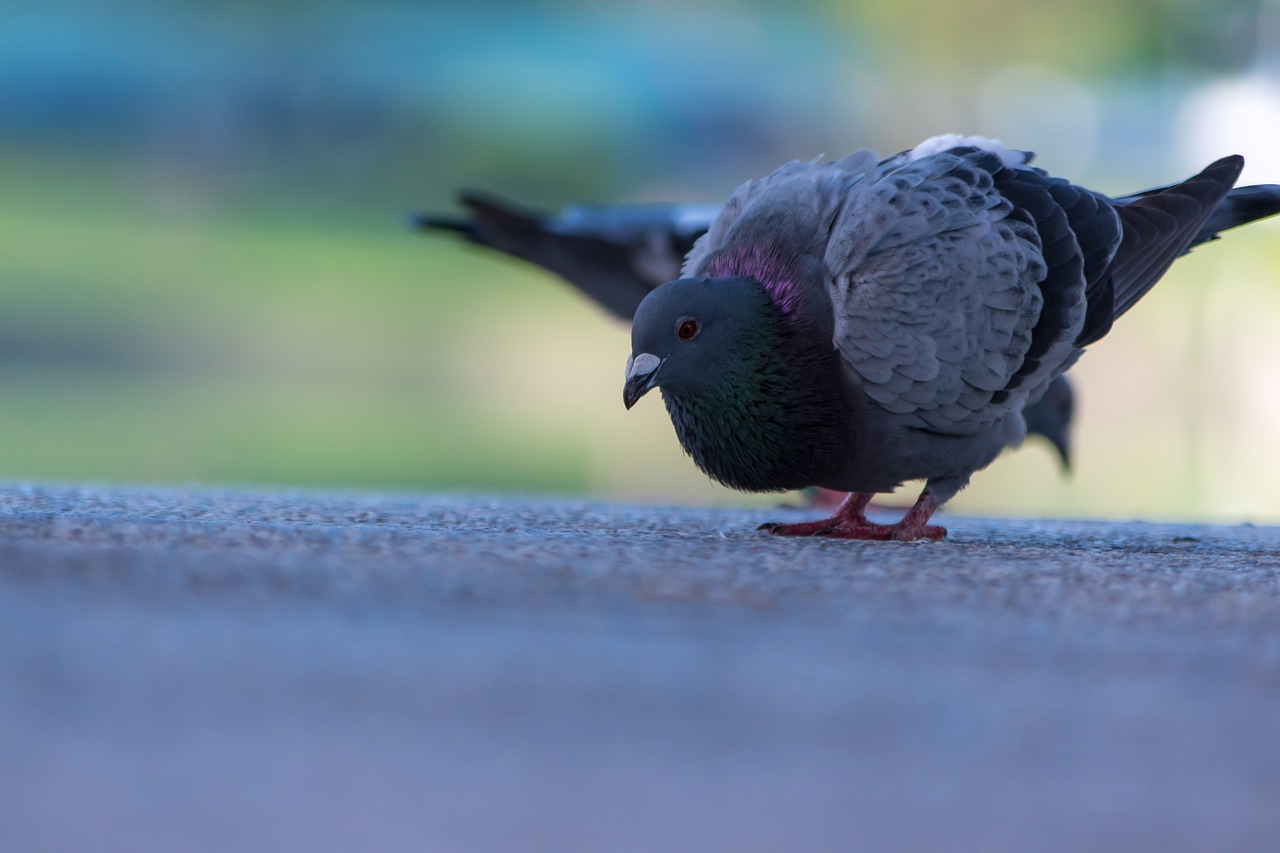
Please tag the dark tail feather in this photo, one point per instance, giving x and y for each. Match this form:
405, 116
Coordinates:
1241, 206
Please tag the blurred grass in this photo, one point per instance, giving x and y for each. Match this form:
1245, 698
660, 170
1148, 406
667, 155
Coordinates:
144, 345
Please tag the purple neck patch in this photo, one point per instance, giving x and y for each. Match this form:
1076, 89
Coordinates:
763, 262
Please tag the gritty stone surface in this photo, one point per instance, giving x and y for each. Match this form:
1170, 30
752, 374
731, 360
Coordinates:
200, 670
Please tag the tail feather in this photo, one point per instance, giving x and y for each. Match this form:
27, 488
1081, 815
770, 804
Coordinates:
1241, 206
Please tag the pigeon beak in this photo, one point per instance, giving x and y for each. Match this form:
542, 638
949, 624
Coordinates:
642, 373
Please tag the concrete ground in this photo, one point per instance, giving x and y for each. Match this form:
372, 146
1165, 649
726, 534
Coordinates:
201, 670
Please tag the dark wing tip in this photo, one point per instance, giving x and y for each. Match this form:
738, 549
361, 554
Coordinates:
489, 219
1231, 165
1230, 162
436, 222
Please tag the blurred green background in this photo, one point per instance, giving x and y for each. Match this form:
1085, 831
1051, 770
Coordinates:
206, 276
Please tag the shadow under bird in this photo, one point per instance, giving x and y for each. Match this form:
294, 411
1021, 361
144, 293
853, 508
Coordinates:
616, 254
864, 322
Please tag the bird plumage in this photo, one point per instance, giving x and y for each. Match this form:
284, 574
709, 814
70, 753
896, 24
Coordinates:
615, 255
952, 285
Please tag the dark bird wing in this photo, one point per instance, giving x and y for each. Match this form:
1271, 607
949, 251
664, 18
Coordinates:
1241, 206
963, 284
613, 254
1158, 227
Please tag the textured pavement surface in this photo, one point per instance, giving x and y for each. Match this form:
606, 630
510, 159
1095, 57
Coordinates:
201, 670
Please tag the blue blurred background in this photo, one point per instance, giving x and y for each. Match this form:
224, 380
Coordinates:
206, 277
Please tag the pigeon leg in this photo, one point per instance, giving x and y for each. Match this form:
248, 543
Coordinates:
913, 525
849, 520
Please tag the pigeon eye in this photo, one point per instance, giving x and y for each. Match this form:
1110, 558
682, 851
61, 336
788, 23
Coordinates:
686, 328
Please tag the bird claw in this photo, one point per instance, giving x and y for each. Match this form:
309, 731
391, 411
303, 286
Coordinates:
850, 522
836, 529
803, 528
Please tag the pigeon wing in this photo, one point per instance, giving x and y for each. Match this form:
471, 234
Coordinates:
935, 290
1158, 227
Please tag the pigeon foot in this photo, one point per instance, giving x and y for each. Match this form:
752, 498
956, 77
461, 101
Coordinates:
849, 518
850, 522
837, 528
903, 532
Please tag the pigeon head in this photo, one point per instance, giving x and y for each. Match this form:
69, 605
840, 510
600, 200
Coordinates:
687, 333
743, 388
1050, 416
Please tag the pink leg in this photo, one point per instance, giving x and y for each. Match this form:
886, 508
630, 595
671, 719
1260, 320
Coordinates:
850, 515
850, 522
914, 524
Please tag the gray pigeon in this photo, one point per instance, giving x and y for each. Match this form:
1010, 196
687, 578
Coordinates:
616, 254
857, 324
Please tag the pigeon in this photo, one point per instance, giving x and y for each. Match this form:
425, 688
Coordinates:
615, 254
860, 323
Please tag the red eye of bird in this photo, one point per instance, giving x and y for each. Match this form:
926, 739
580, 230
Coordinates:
687, 329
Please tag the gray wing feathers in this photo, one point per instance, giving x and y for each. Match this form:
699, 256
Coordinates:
934, 292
